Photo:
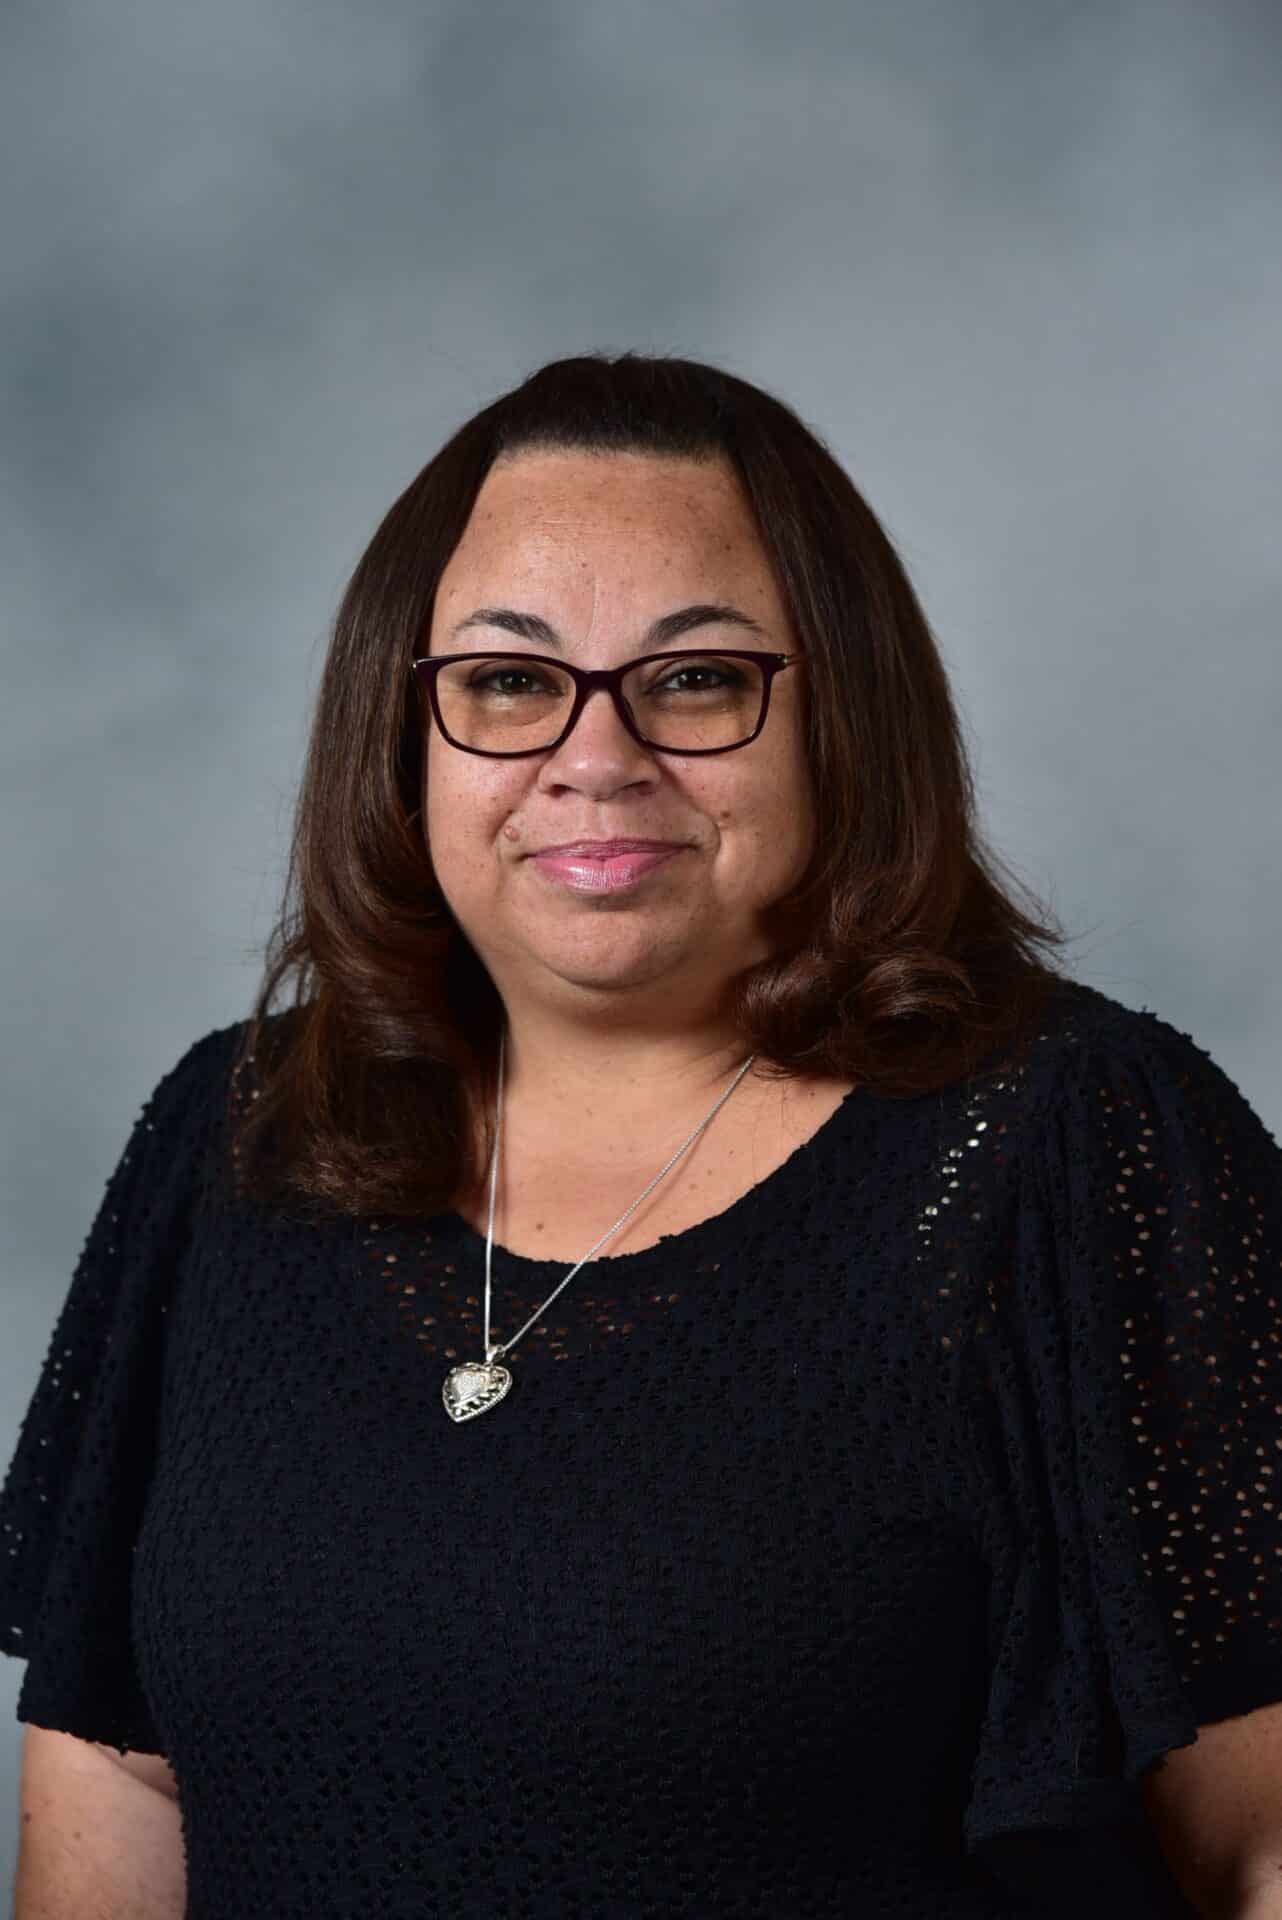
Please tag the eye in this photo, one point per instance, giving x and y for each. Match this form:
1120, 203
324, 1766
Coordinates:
725, 675
489, 676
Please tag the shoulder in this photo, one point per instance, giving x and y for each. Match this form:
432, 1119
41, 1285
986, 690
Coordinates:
199, 1097
212, 1061
1132, 1115
1079, 1018
1091, 1042
195, 1083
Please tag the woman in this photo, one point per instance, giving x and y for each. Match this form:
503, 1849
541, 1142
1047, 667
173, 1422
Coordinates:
715, 1380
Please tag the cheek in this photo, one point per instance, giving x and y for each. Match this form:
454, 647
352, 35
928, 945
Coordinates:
466, 816
773, 817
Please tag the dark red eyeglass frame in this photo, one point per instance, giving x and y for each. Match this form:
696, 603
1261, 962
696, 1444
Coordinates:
424, 671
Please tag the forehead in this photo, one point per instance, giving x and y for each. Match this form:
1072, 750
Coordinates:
536, 511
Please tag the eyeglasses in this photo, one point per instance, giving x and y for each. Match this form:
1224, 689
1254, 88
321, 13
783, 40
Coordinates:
676, 702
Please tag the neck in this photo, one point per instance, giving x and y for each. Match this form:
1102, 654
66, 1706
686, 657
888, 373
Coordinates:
611, 1080
608, 1116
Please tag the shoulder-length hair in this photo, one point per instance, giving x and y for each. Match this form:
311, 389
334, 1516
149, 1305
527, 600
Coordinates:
899, 959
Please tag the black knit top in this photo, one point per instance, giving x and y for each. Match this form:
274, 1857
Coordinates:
851, 1553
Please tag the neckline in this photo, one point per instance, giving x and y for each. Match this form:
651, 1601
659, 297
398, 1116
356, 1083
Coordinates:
689, 1242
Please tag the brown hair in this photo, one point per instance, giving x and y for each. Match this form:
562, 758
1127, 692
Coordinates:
899, 960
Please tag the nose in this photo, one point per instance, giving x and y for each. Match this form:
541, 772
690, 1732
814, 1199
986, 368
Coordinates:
599, 755
599, 725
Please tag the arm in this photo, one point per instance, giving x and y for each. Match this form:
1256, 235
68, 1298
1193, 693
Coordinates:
99, 1833
1216, 1809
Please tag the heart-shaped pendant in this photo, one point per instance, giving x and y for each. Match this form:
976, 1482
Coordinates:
474, 1388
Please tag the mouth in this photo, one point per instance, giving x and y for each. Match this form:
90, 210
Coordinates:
606, 849
602, 873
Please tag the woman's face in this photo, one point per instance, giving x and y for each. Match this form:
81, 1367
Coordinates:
600, 546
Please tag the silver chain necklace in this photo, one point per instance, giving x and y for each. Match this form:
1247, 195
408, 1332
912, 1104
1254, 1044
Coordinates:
477, 1385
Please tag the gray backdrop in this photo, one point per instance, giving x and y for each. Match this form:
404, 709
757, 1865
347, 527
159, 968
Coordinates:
1019, 264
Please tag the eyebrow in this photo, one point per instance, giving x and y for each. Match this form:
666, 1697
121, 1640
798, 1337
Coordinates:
669, 626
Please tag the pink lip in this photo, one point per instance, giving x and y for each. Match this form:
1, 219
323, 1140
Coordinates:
593, 873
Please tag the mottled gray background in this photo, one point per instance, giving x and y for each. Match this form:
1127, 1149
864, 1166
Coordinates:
1018, 263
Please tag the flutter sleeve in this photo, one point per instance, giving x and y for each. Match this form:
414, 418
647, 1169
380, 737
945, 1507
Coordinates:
77, 1484
1131, 1434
